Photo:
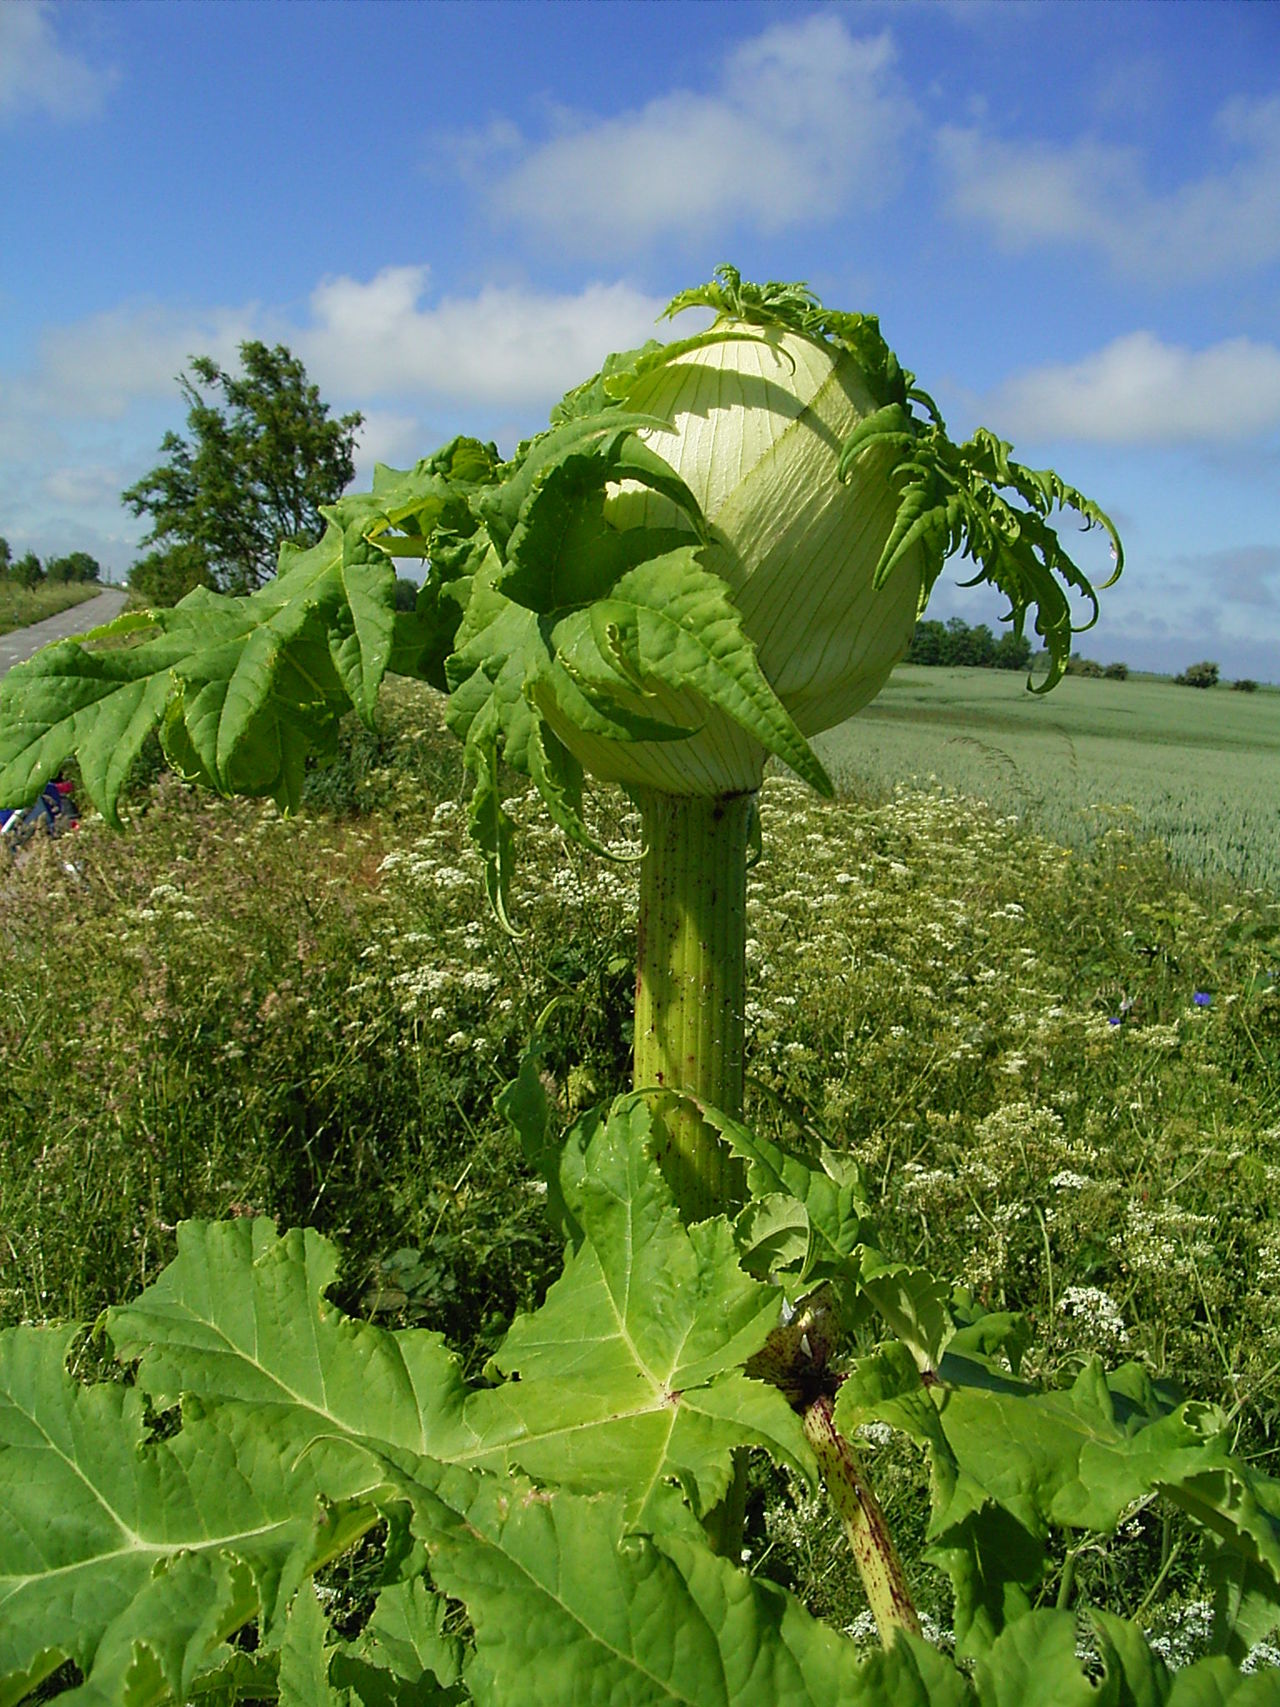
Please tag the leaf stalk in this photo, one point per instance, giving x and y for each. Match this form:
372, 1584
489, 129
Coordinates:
874, 1552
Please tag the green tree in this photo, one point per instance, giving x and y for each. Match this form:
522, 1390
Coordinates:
968, 646
6, 559
28, 571
928, 643
161, 578
1011, 652
76, 566
1203, 675
260, 458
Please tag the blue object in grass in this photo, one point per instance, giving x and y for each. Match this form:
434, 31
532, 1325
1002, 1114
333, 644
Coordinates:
52, 812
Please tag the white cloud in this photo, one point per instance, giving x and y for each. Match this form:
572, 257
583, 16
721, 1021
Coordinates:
386, 436
806, 123
36, 74
1097, 194
83, 486
503, 346
98, 367
1138, 390
492, 362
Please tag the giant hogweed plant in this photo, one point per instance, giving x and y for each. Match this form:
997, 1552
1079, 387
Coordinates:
718, 548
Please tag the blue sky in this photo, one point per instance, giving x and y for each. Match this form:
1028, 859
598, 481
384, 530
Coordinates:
1066, 215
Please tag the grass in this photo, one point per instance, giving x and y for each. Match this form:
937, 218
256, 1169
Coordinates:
1198, 769
21, 606
225, 1012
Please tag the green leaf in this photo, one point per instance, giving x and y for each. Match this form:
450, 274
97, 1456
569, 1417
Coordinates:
403, 1657
568, 1607
556, 1158
562, 552
1009, 1462
244, 689
502, 666
240, 1317
629, 1375
831, 1194
304, 1656
774, 1236
593, 434
135, 1557
912, 1302
1216, 1683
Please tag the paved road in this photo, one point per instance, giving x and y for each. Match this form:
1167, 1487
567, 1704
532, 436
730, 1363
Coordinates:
24, 641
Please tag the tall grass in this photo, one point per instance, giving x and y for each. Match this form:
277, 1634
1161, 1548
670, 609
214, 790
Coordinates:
21, 606
1060, 1068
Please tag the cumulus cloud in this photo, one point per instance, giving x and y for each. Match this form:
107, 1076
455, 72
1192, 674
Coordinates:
100, 366
1096, 193
503, 346
37, 74
386, 436
1138, 390
806, 122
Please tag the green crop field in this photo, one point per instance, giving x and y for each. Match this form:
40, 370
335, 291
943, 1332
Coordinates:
1197, 769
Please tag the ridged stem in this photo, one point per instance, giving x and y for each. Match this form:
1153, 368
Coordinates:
691, 984
690, 1019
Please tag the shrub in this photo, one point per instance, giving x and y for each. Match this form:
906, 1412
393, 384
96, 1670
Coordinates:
1245, 684
1117, 672
1203, 675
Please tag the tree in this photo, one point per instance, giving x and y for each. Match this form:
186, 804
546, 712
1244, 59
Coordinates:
928, 643
253, 472
1012, 651
76, 566
164, 577
1203, 675
28, 570
6, 559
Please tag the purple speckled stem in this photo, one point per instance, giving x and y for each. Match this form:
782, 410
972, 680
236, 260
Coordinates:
864, 1523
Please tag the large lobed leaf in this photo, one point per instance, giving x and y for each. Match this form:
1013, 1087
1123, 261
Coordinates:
628, 1375
128, 1555
569, 1609
137, 1554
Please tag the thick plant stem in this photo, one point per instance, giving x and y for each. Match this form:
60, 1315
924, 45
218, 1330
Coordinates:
691, 958
851, 1493
691, 984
